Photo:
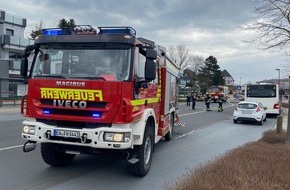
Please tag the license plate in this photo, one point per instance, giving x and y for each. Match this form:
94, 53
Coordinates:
66, 134
246, 112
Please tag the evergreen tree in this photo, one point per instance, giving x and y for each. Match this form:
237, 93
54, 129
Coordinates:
210, 74
63, 23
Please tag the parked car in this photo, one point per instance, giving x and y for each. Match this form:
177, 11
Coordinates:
250, 111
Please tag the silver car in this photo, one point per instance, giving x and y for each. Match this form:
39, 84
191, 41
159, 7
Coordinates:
249, 111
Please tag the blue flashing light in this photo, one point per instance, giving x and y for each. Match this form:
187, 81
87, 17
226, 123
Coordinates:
56, 32
45, 111
96, 114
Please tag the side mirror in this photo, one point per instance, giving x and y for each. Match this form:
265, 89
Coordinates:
24, 67
150, 70
151, 54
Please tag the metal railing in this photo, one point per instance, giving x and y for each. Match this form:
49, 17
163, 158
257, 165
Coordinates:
11, 91
16, 41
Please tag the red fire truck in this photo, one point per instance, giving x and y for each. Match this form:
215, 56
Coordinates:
215, 91
95, 90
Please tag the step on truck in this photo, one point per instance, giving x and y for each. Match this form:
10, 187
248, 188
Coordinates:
91, 90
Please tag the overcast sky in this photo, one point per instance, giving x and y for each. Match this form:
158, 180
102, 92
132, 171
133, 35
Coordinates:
205, 27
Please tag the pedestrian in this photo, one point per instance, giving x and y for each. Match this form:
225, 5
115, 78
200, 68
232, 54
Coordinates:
193, 99
220, 102
207, 102
188, 97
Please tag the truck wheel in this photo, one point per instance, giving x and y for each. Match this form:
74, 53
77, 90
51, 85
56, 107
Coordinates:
168, 136
53, 157
144, 155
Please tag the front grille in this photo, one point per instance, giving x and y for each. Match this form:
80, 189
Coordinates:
89, 104
88, 141
83, 113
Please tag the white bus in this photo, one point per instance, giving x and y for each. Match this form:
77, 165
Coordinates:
267, 94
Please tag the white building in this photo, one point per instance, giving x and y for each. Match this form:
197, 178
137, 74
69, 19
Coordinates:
12, 44
229, 80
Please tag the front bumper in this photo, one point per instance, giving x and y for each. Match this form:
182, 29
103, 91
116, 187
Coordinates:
248, 118
94, 138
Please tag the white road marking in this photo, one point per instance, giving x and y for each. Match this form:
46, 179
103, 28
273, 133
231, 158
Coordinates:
184, 135
182, 115
11, 147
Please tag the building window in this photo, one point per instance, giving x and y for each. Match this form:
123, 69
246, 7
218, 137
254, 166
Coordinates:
15, 56
14, 60
9, 32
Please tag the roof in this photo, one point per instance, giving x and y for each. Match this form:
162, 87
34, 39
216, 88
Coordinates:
226, 74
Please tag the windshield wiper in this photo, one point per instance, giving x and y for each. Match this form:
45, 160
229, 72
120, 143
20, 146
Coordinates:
50, 76
91, 78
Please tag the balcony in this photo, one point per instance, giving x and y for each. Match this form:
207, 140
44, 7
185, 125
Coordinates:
15, 42
9, 18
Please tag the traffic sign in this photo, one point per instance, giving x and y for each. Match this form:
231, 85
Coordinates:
238, 87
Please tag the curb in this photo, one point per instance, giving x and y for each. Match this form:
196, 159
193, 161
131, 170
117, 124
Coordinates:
9, 109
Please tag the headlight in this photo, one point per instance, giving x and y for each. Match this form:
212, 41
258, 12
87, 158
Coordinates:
29, 129
117, 137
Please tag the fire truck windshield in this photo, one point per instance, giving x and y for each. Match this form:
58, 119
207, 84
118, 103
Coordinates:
107, 62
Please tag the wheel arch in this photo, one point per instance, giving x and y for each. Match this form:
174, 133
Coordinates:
139, 127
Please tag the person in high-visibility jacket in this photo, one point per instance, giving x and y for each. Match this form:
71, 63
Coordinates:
220, 101
207, 102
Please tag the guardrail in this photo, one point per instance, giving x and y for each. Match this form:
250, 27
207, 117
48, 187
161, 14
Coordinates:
11, 91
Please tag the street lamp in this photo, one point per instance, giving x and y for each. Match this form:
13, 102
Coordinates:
278, 76
280, 96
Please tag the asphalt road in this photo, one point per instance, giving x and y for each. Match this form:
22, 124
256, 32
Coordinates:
205, 136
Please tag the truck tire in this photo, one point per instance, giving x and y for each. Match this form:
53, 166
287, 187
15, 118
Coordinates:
169, 134
143, 153
53, 157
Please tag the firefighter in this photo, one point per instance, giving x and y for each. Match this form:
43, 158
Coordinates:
188, 97
220, 102
193, 98
207, 102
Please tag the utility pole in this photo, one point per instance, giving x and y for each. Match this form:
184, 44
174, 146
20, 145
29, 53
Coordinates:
280, 95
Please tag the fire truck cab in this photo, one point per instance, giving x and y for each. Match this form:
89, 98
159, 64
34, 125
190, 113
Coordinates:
94, 90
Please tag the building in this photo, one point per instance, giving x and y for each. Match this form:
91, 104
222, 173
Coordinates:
12, 44
229, 80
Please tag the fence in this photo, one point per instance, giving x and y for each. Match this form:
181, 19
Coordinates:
11, 91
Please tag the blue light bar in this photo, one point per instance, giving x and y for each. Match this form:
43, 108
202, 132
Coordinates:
45, 111
96, 114
56, 32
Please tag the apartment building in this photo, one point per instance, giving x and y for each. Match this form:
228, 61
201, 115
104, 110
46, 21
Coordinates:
12, 44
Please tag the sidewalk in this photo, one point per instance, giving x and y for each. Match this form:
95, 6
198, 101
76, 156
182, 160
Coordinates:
10, 109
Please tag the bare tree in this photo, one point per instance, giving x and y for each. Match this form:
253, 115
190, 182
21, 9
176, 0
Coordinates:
195, 63
179, 54
272, 25
37, 31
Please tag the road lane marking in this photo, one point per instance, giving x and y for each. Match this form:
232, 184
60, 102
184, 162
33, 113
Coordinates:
11, 147
184, 135
186, 114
